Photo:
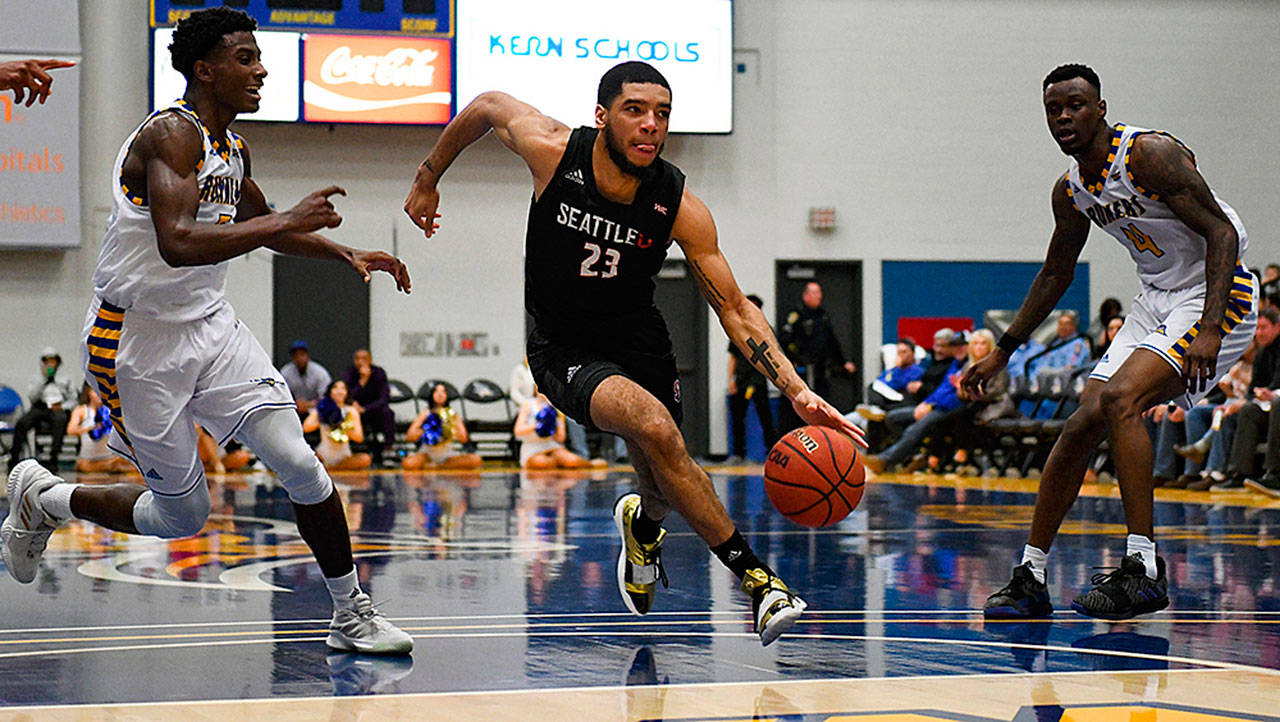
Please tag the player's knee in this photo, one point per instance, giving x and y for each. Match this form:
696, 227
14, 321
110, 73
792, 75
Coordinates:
659, 433
1118, 399
302, 474
173, 517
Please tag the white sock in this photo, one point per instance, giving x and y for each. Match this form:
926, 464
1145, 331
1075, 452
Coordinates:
1138, 544
1039, 561
56, 501
343, 589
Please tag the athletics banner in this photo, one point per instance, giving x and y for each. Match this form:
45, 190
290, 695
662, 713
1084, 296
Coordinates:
40, 145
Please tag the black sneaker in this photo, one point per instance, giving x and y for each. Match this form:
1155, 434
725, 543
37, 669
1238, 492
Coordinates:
1024, 597
1269, 484
1126, 592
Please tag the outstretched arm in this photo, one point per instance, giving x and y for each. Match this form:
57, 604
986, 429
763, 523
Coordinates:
1070, 231
538, 139
22, 76
1160, 164
745, 324
163, 161
253, 204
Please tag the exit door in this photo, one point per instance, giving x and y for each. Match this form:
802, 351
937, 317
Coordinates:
841, 283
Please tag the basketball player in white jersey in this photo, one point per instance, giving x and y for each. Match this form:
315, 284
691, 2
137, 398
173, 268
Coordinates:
165, 350
1193, 318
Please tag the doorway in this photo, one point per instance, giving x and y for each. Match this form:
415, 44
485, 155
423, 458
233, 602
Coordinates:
841, 283
323, 303
682, 305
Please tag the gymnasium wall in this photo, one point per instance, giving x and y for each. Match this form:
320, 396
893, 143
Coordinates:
918, 120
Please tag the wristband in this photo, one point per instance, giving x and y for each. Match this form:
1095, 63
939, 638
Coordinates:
1009, 343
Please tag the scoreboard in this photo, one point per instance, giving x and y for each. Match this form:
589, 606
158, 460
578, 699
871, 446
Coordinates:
430, 18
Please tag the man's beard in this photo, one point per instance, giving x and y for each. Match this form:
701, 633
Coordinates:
619, 158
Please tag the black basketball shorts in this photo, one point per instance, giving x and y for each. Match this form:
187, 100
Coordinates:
569, 375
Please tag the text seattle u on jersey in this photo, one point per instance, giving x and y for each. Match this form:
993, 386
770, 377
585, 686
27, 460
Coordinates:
600, 228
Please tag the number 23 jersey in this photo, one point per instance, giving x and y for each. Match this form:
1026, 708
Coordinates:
589, 261
1170, 255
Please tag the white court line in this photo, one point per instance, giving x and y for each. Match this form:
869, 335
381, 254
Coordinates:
869, 614
683, 635
621, 688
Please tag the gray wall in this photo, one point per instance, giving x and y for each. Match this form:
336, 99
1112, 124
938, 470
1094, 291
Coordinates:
919, 121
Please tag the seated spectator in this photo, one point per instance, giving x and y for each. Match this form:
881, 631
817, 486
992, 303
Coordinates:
1202, 427
1108, 335
307, 379
925, 416
91, 421
1271, 280
339, 425
1025, 360
49, 397
541, 431
439, 430
1109, 309
977, 412
1251, 424
890, 387
1069, 350
370, 394
218, 459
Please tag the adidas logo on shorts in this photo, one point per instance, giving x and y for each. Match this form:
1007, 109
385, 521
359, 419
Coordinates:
153, 474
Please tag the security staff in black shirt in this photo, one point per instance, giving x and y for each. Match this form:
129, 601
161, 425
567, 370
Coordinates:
811, 344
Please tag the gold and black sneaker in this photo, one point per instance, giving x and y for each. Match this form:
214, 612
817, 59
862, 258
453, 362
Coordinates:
773, 606
639, 565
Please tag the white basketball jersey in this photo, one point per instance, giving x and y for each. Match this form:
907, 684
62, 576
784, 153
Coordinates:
131, 274
1169, 254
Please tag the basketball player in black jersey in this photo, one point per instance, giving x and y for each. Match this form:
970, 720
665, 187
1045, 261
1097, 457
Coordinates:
605, 210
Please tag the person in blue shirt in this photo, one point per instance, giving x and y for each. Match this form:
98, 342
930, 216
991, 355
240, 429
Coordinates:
890, 387
928, 413
1070, 350
1022, 361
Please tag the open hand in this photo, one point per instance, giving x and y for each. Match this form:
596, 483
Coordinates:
814, 410
365, 262
421, 205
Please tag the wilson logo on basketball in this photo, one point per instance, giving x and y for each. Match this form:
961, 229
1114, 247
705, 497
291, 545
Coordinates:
376, 79
810, 445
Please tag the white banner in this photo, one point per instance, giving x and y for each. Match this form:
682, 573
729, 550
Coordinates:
551, 55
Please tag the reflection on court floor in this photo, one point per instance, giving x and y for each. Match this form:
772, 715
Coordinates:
506, 581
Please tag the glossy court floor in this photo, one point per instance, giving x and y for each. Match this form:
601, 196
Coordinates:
506, 581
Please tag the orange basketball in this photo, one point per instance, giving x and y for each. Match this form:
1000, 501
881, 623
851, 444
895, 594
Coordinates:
814, 476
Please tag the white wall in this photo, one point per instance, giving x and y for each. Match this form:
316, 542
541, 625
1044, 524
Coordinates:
918, 120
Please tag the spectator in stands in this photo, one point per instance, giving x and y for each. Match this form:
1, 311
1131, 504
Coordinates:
1271, 280
809, 341
748, 386
1026, 360
933, 372
1252, 421
220, 459
890, 387
1070, 349
307, 379
91, 421
994, 402
439, 430
1211, 425
540, 430
1108, 335
1109, 309
50, 396
370, 394
1165, 426
928, 414
339, 424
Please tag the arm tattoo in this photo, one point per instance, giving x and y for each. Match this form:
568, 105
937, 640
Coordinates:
427, 164
709, 289
761, 358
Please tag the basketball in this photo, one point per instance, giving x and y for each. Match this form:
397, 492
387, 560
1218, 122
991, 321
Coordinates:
814, 476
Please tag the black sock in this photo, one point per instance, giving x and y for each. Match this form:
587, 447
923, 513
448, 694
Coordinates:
644, 529
737, 555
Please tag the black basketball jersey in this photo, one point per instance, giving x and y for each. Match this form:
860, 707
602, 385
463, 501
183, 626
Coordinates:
590, 262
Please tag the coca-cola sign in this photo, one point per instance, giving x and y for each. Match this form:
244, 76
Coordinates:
376, 79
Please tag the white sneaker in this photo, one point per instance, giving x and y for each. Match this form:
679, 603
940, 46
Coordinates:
774, 607
364, 629
26, 530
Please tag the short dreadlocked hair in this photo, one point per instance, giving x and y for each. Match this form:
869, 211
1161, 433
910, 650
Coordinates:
201, 32
1073, 70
